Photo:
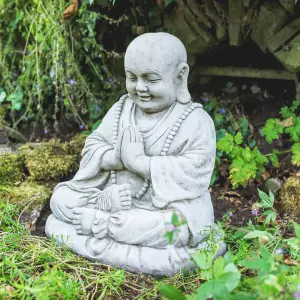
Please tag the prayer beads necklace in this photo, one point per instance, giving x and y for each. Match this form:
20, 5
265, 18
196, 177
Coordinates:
167, 144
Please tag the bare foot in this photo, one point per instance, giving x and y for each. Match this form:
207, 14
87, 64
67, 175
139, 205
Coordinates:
83, 219
121, 197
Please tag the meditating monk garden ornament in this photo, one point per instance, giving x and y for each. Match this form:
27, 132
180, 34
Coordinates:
150, 161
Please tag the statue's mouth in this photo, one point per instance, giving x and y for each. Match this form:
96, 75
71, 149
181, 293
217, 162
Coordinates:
144, 98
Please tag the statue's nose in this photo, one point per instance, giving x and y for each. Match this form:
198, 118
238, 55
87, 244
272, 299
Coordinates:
141, 86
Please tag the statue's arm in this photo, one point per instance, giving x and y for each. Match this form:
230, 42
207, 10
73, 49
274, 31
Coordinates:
100, 142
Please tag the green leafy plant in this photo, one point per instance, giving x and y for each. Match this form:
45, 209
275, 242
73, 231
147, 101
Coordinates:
246, 161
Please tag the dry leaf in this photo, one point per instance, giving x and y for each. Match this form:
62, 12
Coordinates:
71, 10
233, 197
6, 288
265, 175
291, 262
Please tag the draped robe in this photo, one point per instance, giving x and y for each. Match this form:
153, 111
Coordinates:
179, 181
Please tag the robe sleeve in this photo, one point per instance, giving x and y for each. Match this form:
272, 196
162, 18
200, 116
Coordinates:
90, 173
185, 174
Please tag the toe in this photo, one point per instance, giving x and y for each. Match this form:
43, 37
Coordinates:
76, 221
123, 194
77, 210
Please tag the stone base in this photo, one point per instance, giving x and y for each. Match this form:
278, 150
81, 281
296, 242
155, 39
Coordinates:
133, 258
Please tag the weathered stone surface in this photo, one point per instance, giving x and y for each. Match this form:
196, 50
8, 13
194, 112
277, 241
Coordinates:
235, 19
283, 35
272, 17
48, 161
290, 196
29, 198
289, 5
194, 37
289, 55
145, 172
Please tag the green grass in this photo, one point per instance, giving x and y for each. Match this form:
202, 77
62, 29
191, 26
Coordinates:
33, 267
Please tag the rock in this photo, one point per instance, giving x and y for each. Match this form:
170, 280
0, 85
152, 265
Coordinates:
49, 161
271, 18
290, 196
29, 198
11, 169
272, 184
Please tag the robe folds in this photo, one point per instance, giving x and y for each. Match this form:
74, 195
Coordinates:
178, 181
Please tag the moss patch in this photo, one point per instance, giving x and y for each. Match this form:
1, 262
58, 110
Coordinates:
49, 161
11, 169
290, 196
27, 195
76, 145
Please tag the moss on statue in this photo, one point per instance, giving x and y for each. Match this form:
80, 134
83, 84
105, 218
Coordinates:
49, 161
290, 196
11, 169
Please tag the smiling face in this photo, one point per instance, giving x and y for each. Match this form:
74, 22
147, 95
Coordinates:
151, 72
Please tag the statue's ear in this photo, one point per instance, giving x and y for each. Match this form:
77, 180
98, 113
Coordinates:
183, 95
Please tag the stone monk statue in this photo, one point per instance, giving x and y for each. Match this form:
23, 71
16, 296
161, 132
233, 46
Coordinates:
152, 156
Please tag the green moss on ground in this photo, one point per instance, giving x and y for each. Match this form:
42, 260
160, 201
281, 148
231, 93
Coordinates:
27, 195
11, 169
290, 196
76, 145
49, 161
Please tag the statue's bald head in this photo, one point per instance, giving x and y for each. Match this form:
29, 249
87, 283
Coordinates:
160, 48
156, 71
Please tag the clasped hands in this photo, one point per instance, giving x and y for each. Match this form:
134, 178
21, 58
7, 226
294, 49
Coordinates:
128, 153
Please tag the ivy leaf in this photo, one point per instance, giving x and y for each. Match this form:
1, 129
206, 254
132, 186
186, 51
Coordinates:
272, 129
294, 131
171, 292
271, 216
220, 134
297, 230
296, 154
241, 171
266, 201
175, 219
296, 104
96, 125
16, 99
255, 234
238, 139
274, 158
286, 112
2, 95
203, 259
218, 267
226, 144
244, 124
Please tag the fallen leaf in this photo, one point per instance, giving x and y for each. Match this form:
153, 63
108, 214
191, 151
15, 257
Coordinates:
233, 197
291, 262
6, 289
71, 10
265, 175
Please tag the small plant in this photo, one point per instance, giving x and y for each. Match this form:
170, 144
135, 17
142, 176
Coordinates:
246, 161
